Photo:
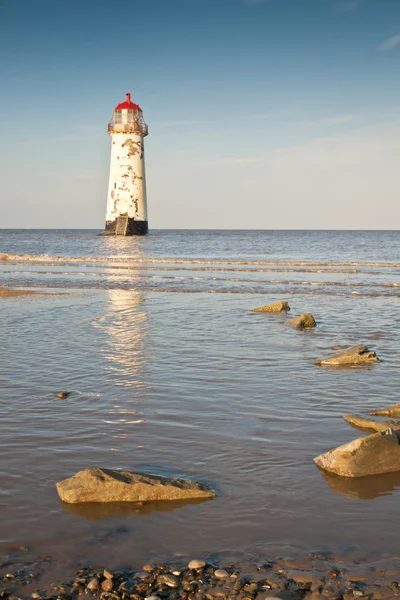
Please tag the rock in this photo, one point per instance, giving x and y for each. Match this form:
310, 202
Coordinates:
362, 423
168, 579
221, 574
358, 355
305, 321
107, 585
273, 308
371, 455
148, 568
197, 564
392, 411
93, 584
107, 574
63, 395
152, 598
106, 485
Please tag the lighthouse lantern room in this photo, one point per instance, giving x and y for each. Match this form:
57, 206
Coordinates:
126, 201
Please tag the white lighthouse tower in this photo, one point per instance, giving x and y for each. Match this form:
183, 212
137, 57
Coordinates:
126, 201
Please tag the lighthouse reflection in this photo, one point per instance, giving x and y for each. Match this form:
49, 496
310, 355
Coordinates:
127, 326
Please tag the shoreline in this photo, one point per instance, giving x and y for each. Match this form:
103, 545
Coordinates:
313, 576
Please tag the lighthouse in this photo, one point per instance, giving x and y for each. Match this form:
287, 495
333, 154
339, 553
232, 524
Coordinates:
126, 200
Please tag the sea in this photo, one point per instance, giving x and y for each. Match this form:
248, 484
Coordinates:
171, 373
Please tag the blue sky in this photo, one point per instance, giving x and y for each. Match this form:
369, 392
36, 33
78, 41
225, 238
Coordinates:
262, 113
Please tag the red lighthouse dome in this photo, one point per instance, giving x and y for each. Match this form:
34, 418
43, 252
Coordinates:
128, 104
128, 118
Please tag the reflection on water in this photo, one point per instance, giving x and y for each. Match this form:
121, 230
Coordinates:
103, 510
363, 488
126, 326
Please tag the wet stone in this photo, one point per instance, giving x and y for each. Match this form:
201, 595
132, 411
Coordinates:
168, 579
107, 574
221, 573
148, 568
107, 585
93, 584
197, 564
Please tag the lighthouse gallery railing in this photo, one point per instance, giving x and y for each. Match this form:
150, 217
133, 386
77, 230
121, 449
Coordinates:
141, 128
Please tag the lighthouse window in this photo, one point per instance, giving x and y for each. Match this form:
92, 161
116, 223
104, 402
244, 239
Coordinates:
115, 186
117, 116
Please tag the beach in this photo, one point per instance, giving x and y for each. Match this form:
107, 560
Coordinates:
171, 373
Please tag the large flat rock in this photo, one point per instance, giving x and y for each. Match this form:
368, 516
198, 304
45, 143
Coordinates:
371, 455
106, 485
363, 423
357, 355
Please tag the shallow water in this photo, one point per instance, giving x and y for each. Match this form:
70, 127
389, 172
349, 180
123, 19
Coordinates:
194, 385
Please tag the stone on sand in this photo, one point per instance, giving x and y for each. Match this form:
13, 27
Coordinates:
304, 321
273, 308
106, 485
371, 455
357, 355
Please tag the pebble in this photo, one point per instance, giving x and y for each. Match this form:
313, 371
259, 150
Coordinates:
107, 585
203, 581
221, 574
148, 569
93, 584
196, 564
107, 574
168, 579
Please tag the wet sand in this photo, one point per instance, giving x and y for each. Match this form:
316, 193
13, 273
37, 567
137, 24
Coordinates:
11, 293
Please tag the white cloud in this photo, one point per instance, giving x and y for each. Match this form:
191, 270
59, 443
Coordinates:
390, 43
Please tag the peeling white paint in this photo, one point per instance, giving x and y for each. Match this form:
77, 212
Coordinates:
127, 183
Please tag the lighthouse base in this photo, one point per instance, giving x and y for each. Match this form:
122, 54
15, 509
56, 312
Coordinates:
130, 227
